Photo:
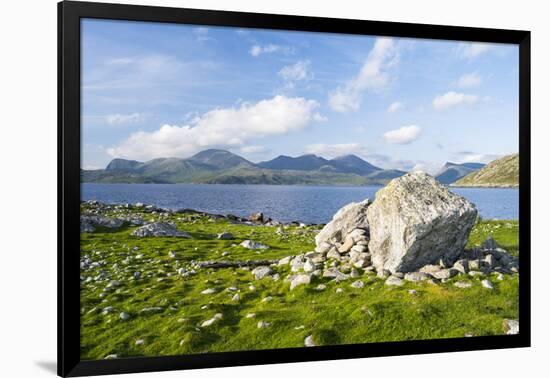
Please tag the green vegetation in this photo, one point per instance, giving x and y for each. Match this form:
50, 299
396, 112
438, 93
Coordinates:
503, 172
374, 313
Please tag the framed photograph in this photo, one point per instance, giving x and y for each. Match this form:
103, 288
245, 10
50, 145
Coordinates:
240, 188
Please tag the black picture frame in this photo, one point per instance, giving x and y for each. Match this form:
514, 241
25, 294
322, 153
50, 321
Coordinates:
69, 15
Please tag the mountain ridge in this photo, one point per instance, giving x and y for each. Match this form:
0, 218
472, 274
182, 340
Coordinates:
220, 166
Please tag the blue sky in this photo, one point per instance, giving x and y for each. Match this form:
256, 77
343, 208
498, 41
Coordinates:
154, 90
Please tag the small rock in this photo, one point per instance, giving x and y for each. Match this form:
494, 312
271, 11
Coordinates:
308, 341
262, 271
124, 316
172, 254
321, 287
139, 342
251, 244
300, 279
487, 284
339, 290
463, 284
236, 297
251, 315
394, 281
511, 327
263, 324
358, 285
208, 291
416, 276
225, 236
267, 299
412, 292
212, 320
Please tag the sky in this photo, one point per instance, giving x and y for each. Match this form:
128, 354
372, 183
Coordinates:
152, 90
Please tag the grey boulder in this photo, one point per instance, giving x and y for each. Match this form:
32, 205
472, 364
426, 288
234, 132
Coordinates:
415, 221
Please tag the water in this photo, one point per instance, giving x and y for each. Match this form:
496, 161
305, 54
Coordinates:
309, 204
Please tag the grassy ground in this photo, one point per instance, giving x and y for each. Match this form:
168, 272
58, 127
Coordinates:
372, 314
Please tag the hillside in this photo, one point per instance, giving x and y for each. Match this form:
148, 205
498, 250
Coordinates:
223, 167
503, 172
452, 172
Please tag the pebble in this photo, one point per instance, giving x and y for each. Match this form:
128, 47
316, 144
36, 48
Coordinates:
308, 341
262, 324
487, 284
124, 316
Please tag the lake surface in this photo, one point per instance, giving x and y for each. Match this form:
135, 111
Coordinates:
308, 204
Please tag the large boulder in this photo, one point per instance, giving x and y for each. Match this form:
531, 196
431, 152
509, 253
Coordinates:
347, 219
415, 221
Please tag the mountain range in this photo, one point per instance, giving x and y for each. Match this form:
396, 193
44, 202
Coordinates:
223, 167
452, 172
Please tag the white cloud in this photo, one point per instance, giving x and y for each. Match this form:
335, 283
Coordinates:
374, 74
201, 34
297, 71
470, 80
403, 135
473, 157
473, 50
124, 119
450, 99
270, 48
253, 149
223, 128
395, 106
335, 150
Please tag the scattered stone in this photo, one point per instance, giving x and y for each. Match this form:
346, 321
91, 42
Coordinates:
124, 316
347, 219
267, 299
139, 342
463, 284
236, 297
212, 320
158, 229
321, 287
462, 266
256, 218
172, 254
208, 291
445, 274
251, 315
412, 292
308, 341
262, 272
416, 276
151, 310
358, 285
252, 288
285, 260
333, 254
511, 327
394, 281
300, 279
489, 244
225, 236
251, 244
263, 324
339, 290
415, 221
487, 284
336, 274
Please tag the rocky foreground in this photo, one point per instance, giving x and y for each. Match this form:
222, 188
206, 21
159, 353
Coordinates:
404, 266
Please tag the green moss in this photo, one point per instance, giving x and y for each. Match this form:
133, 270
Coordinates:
375, 313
